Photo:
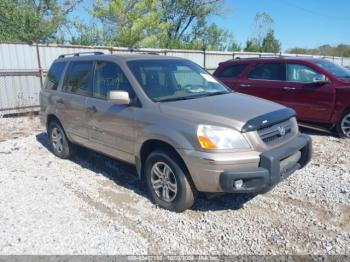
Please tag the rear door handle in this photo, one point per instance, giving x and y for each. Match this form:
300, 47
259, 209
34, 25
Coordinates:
92, 109
244, 85
60, 101
287, 88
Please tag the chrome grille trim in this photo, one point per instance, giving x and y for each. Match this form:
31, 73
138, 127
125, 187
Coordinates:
271, 134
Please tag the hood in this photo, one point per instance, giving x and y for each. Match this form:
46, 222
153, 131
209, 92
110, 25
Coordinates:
232, 110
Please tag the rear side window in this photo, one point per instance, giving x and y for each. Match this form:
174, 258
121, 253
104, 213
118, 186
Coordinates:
54, 75
232, 71
78, 78
268, 72
108, 77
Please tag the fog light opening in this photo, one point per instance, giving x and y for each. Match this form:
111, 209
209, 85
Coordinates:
238, 184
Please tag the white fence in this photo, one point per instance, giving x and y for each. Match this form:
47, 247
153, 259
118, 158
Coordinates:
23, 67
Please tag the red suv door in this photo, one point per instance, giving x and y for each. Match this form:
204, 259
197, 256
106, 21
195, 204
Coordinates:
230, 74
312, 101
265, 80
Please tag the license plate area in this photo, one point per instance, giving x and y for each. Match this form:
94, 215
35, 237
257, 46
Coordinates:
289, 164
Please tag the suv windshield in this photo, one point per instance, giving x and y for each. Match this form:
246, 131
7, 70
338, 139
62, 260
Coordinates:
171, 80
334, 69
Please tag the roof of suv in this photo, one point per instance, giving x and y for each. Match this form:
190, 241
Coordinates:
271, 59
124, 57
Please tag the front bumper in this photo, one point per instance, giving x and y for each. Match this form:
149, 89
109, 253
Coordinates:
217, 172
274, 166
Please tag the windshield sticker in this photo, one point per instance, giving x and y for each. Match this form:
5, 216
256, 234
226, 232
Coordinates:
196, 90
209, 78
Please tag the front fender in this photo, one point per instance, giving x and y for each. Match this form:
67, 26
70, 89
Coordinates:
168, 135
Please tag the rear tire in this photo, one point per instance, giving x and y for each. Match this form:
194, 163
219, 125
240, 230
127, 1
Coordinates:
343, 126
167, 182
59, 142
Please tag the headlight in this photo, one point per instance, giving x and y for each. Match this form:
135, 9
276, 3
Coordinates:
216, 137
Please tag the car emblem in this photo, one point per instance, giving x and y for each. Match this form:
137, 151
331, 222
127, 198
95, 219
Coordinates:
281, 130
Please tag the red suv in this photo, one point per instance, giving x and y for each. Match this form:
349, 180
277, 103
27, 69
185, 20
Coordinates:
317, 89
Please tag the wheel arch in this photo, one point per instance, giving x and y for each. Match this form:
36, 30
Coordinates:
51, 117
151, 145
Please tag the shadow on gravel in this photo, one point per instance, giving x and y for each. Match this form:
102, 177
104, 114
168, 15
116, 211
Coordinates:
223, 202
125, 175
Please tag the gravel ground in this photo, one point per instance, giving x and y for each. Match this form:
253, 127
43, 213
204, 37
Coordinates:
94, 205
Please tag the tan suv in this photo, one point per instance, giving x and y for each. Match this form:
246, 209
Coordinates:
184, 131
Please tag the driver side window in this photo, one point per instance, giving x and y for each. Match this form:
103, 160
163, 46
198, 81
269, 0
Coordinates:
108, 77
300, 73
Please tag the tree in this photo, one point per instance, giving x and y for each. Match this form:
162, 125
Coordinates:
264, 39
163, 23
186, 20
134, 23
33, 20
263, 24
271, 44
325, 50
90, 34
252, 45
214, 38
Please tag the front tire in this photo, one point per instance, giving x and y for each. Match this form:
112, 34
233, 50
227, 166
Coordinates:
59, 142
343, 126
167, 182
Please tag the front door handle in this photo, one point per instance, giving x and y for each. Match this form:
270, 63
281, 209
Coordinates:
92, 109
287, 88
244, 85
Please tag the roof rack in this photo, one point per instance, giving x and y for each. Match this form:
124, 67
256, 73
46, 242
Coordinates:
152, 53
259, 57
262, 57
81, 53
136, 50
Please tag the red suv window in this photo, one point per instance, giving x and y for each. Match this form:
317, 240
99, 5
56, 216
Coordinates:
232, 71
268, 71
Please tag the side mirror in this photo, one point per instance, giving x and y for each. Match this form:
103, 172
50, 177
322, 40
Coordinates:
118, 97
320, 79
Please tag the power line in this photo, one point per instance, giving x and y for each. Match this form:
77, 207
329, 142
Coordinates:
313, 12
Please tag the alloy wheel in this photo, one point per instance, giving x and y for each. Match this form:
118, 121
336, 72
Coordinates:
57, 139
345, 125
164, 182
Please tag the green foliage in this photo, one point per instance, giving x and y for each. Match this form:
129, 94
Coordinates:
270, 43
263, 24
252, 45
133, 23
178, 24
213, 38
90, 34
32, 20
264, 40
186, 20
325, 50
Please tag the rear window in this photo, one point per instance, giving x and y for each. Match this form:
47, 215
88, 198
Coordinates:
54, 75
78, 79
232, 71
268, 72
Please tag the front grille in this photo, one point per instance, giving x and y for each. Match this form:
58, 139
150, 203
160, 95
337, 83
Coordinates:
276, 133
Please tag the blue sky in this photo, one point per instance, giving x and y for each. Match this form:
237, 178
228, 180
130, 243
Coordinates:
302, 23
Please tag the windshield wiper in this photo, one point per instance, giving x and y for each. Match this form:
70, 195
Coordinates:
175, 99
218, 93
192, 97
